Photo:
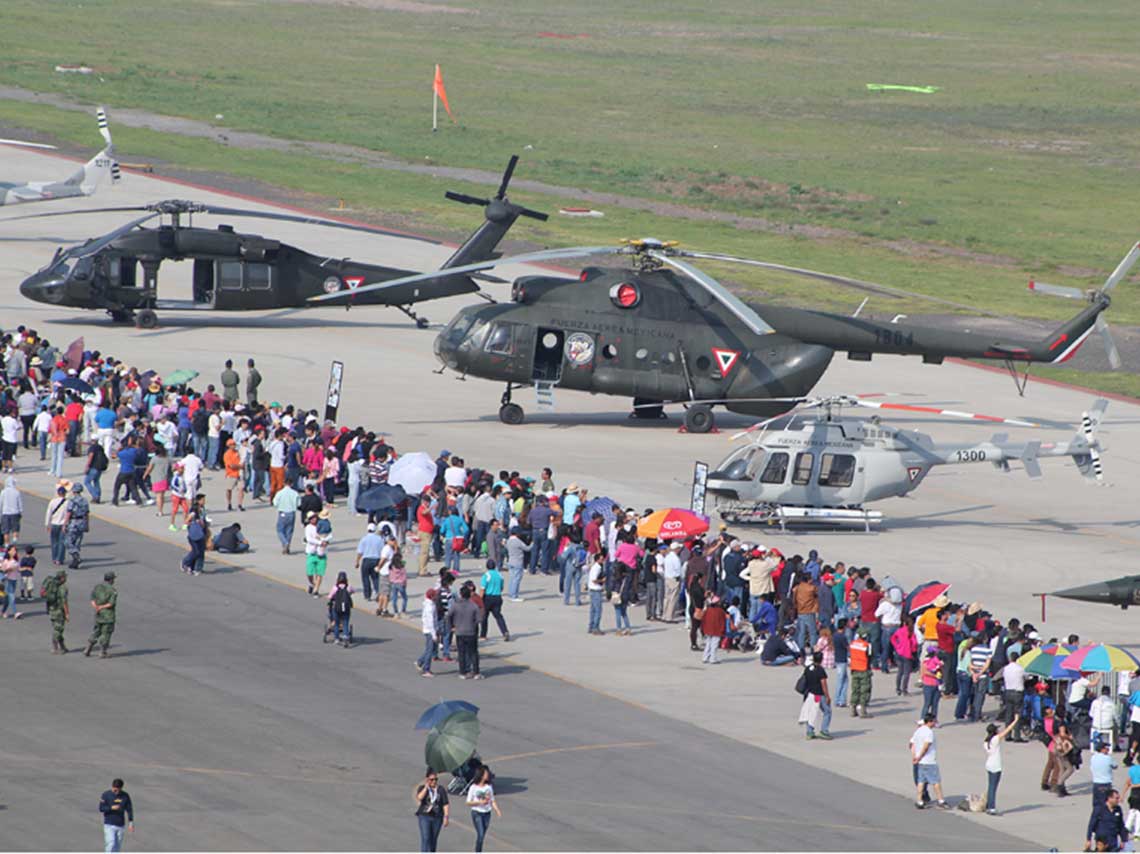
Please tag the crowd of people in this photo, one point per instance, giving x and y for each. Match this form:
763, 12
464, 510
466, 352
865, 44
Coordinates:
853, 634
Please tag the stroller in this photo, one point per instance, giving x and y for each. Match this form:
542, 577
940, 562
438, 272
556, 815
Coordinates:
463, 776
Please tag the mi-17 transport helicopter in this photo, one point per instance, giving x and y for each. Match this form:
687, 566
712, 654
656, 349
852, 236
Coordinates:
825, 468
665, 333
86, 180
118, 272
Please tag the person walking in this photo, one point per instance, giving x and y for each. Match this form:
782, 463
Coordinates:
924, 754
860, 652
428, 624
11, 511
286, 502
464, 617
118, 810
481, 799
58, 609
104, 599
76, 524
491, 589
10, 568
432, 810
1013, 690
992, 744
516, 561
816, 710
842, 646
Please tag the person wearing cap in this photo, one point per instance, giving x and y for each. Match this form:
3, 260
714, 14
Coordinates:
860, 652
76, 524
104, 599
570, 501
674, 571
713, 625
981, 656
58, 609
368, 552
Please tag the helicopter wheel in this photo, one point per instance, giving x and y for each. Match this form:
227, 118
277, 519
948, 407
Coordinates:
699, 418
511, 413
146, 319
421, 323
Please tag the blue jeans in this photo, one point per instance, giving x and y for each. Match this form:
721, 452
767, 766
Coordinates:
842, 677
445, 642
480, 537
91, 481
965, 694
991, 789
979, 698
621, 616
780, 660
540, 546
888, 632
931, 694
429, 832
825, 707
572, 581
211, 457
754, 608
112, 837
424, 661
285, 523
806, 625
595, 611
10, 586
58, 544
399, 591
43, 442
342, 626
200, 448
57, 452
482, 821
514, 581
450, 556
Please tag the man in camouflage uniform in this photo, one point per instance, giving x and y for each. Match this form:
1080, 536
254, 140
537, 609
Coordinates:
75, 524
103, 599
55, 596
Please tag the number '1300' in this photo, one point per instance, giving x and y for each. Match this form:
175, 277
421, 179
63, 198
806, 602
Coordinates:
971, 456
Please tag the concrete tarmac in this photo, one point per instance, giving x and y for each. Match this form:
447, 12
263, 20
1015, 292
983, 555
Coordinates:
997, 537
235, 728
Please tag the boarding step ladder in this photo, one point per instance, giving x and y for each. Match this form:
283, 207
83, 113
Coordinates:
544, 394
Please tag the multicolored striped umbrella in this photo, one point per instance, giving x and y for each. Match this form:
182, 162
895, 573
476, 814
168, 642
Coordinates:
1100, 658
672, 524
1046, 661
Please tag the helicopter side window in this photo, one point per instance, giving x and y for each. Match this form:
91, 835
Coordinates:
229, 275
802, 474
837, 470
258, 277
501, 340
777, 468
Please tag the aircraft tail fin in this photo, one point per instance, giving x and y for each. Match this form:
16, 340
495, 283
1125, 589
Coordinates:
499, 214
1087, 444
102, 167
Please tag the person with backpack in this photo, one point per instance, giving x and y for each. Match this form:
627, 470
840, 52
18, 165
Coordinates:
54, 593
340, 611
96, 464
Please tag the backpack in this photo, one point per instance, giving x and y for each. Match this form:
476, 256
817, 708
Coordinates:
49, 592
342, 601
199, 421
98, 458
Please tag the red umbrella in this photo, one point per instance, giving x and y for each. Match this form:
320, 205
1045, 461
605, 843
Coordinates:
924, 595
674, 524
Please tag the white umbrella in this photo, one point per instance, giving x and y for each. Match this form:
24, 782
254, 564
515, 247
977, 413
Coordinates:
413, 472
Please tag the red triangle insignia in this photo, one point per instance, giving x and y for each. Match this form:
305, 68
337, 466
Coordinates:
354, 281
725, 359
913, 472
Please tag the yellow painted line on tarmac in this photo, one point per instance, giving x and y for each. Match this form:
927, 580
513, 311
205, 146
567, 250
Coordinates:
617, 745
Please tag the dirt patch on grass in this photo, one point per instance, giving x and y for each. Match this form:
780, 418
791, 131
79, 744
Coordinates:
414, 6
757, 192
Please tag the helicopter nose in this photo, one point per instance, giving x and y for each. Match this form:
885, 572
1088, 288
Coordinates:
42, 287
445, 351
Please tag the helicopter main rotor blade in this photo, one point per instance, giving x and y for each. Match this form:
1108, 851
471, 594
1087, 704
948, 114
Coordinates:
98, 244
308, 220
1122, 269
859, 284
1110, 350
23, 144
719, 292
507, 173
77, 212
932, 410
526, 258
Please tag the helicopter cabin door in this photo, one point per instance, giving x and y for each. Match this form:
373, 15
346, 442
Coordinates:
838, 477
548, 347
243, 285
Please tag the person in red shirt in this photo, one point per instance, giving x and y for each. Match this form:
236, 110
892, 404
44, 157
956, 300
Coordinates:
868, 601
713, 622
73, 412
946, 650
593, 534
426, 526
57, 438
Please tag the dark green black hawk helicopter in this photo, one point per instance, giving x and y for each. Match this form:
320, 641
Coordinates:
118, 272
663, 332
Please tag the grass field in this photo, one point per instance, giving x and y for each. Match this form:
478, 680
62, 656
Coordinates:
1021, 165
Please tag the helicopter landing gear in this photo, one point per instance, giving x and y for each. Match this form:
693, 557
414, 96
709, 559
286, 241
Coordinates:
647, 409
510, 413
699, 418
421, 322
146, 319
121, 315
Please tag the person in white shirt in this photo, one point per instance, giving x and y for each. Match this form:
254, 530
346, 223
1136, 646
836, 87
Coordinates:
1079, 691
1103, 714
10, 429
427, 621
192, 474
992, 745
924, 755
595, 586
385, 568
481, 799
674, 570
1013, 688
889, 615
42, 426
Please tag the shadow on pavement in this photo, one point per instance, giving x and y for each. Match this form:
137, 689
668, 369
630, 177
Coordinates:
131, 653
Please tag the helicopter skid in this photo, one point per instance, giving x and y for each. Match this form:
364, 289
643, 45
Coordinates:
776, 514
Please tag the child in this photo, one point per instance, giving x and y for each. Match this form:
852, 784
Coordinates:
340, 611
27, 571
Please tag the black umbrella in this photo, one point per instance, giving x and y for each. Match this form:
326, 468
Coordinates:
380, 498
77, 385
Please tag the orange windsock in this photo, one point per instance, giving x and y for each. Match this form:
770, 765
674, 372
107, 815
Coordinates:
440, 92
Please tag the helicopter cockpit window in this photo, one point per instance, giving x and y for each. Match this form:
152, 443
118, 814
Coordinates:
258, 277
837, 470
229, 275
742, 464
777, 468
802, 474
501, 340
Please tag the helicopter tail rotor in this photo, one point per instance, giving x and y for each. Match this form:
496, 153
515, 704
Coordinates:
1111, 352
500, 197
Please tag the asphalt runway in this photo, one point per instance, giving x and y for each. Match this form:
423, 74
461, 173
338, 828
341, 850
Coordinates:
235, 728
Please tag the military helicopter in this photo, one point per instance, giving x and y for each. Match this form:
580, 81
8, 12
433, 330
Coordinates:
666, 333
118, 272
825, 468
91, 175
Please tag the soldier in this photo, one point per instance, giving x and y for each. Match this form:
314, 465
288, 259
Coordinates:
55, 597
859, 653
103, 599
252, 381
230, 382
75, 524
